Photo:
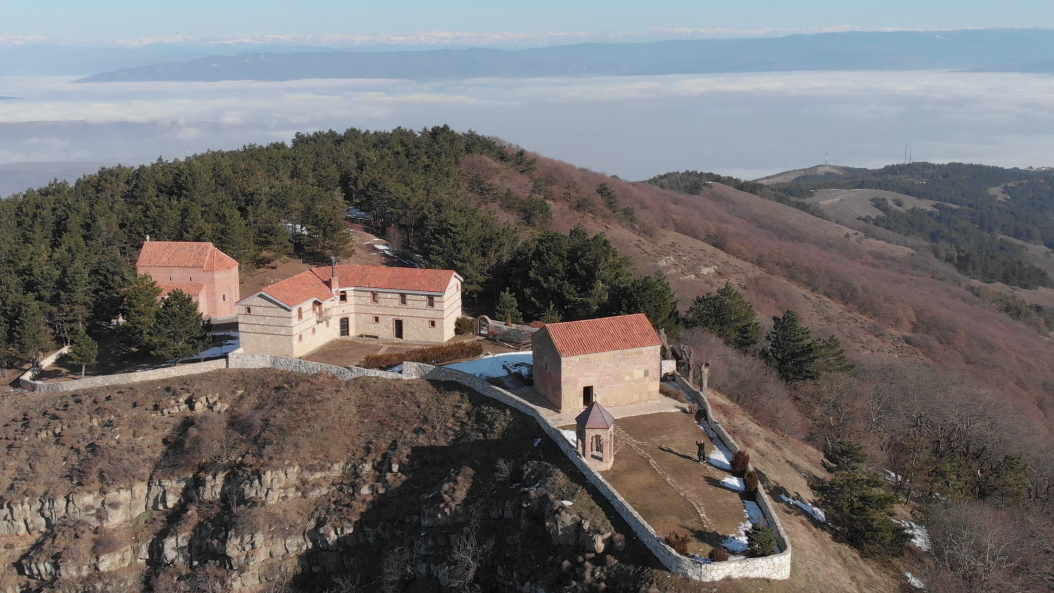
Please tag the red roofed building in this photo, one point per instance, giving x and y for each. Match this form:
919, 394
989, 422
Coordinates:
199, 269
303, 313
613, 360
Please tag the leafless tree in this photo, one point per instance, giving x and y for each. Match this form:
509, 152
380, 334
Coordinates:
466, 556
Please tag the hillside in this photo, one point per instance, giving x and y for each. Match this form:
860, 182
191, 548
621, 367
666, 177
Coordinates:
948, 389
817, 171
252, 480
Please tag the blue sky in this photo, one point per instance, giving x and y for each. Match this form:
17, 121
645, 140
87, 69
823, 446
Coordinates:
125, 19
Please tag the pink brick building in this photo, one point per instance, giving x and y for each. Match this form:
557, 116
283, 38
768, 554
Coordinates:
199, 269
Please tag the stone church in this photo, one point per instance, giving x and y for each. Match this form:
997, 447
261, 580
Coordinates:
612, 360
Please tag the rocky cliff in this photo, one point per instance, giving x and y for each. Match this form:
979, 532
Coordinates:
263, 480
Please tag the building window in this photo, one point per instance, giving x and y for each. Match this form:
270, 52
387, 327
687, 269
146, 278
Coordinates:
373, 296
402, 299
191, 278
300, 338
647, 372
300, 313
376, 319
431, 324
431, 301
248, 310
312, 331
343, 296
170, 278
225, 298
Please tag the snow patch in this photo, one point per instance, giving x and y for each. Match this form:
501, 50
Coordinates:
734, 484
571, 437
737, 542
914, 581
754, 514
719, 457
920, 536
814, 512
231, 341
497, 365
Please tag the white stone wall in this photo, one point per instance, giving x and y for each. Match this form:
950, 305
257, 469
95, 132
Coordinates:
124, 378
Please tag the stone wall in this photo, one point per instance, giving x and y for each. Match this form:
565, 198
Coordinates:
123, 378
763, 500
296, 365
771, 567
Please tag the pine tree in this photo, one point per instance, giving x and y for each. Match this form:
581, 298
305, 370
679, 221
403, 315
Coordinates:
31, 336
75, 291
727, 315
141, 306
652, 296
792, 351
761, 541
179, 329
84, 350
4, 346
508, 309
830, 357
861, 513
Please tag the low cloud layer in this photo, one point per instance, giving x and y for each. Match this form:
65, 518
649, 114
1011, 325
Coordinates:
743, 124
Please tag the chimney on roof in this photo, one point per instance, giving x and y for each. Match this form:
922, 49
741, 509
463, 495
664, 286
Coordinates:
334, 283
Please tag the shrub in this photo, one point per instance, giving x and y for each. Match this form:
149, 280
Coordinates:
740, 462
430, 355
751, 481
679, 543
464, 326
761, 541
718, 555
670, 392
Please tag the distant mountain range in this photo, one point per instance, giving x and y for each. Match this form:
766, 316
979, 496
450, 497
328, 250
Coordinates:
1004, 50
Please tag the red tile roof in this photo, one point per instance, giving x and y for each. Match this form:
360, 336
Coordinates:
184, 254
191, 288
591, 336
298, 289
314, 283
595, 416
383, 278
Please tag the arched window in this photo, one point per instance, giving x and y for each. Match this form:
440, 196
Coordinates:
598, 443
225, 298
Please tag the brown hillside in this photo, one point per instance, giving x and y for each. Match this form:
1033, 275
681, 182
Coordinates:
884, 301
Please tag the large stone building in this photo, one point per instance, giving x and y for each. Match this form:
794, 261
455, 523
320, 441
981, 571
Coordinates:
302, 313
613, 360
201, 270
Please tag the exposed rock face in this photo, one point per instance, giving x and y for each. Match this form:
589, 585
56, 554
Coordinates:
271, 491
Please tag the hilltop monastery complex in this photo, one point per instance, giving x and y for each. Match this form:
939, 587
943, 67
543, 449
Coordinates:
613, 360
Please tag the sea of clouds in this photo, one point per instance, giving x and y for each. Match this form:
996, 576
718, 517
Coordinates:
747, 125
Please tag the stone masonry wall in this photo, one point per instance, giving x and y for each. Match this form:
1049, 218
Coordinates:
123, 378
296, 365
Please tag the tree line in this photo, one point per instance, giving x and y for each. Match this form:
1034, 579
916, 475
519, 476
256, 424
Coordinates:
67, 251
